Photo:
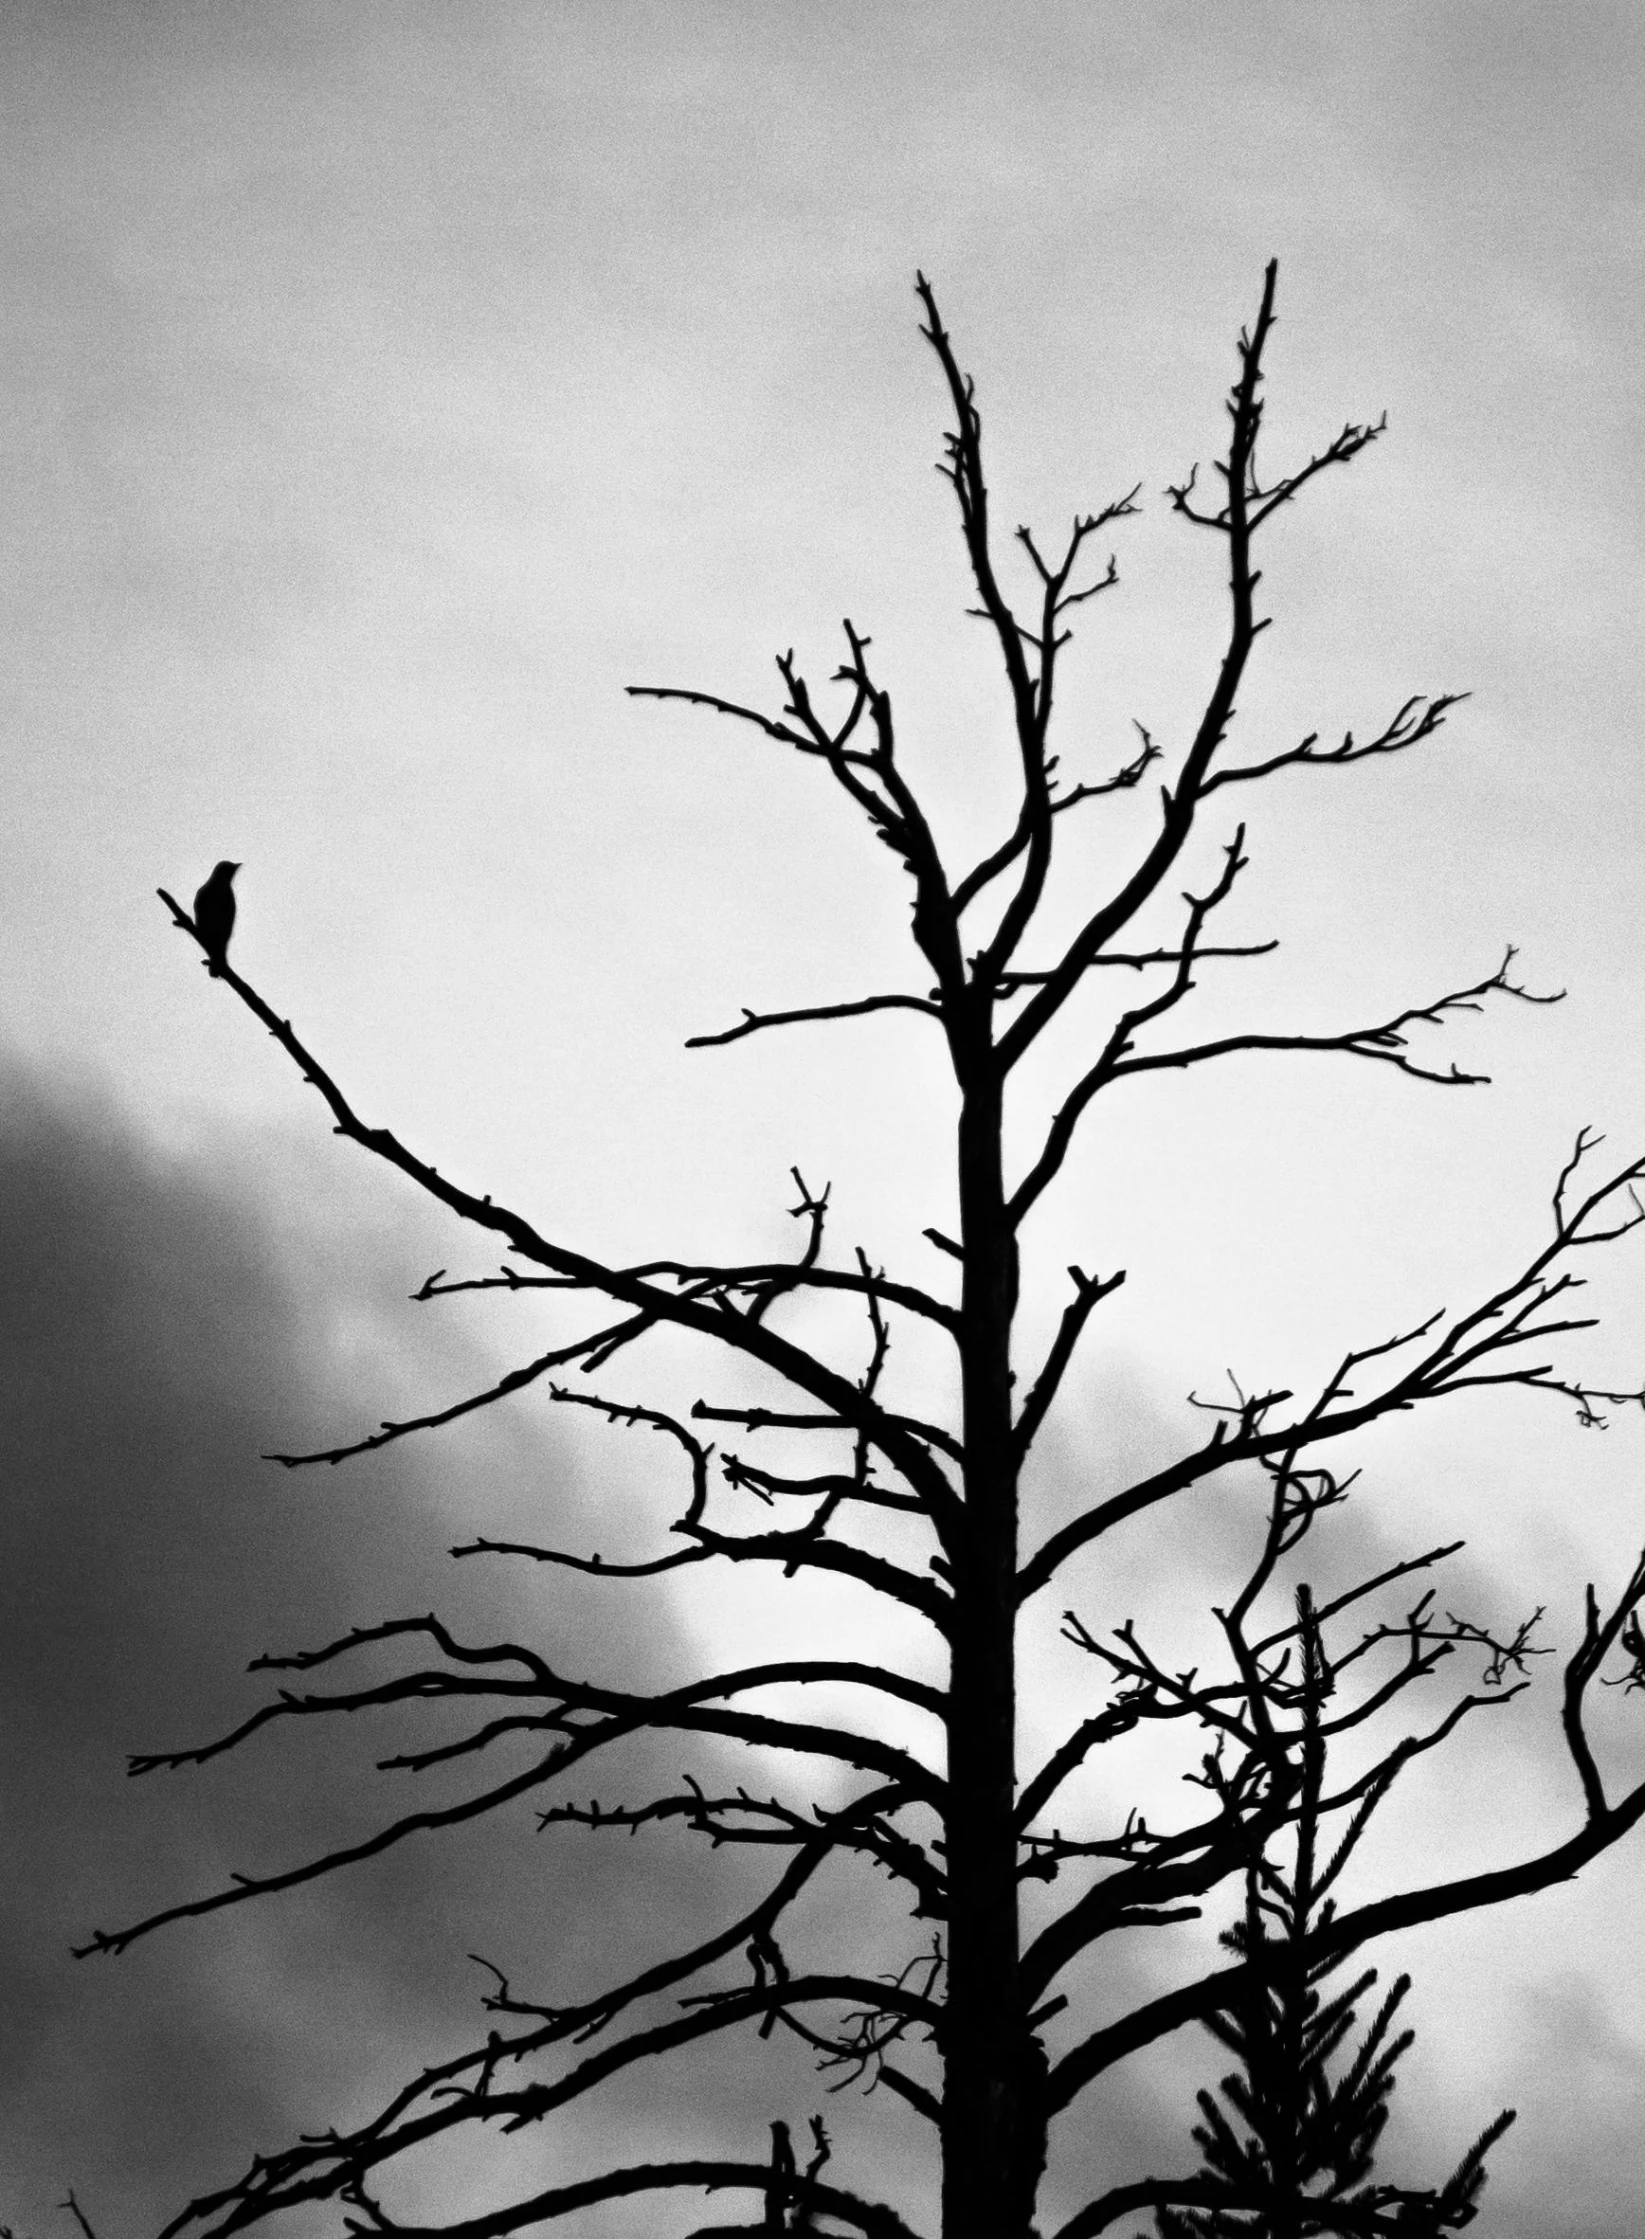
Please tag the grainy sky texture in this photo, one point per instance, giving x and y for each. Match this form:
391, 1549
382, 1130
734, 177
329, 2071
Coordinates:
384, 387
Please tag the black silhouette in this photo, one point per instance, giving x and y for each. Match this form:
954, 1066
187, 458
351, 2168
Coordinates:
1289, 2143
992, 2025
214, 915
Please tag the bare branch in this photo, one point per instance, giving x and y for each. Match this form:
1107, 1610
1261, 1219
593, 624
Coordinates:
602, 1343
771, 1418
1293, 1721
1088, 1290
874, 2221
1010, 982
1384, 1044
1449, 1363
1179, 803
806, 741
756, 1022
742, 1333
247, 1885
1060, 1134
1417, 719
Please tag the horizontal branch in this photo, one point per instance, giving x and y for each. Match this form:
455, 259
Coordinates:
756, 1022
804, 1549
772, 1418
1128, 2200
705, 1279
798, 1550
873, 2221
1384, 1044
1136, 960
772, 1823
677, 1709
777, 1274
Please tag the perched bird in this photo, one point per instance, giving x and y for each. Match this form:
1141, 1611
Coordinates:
214, 915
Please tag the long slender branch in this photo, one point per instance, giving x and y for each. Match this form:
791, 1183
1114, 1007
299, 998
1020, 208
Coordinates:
1385, 1043
1178, 803
804, 741
763, 1275
680, 1710
1127, 2200
1143, 2025
756, 1022
1419, 718
1135, 960
1031, 691
1105, 1725
874, 2221
707, 2016
769, 1822
845, 1748
740, 1333
1500, 1323
767, 1279
247, 1885
601, 1341
624, 1712
311, 2170
772, 1418
793, 1549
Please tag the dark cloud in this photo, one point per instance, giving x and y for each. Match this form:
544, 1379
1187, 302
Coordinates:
163, 1321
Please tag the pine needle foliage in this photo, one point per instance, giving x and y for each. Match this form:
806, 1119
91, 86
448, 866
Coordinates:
1291, 2138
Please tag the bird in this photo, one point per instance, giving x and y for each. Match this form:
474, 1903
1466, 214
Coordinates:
214, 915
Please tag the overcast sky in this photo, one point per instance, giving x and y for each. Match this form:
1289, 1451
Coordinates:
387, 386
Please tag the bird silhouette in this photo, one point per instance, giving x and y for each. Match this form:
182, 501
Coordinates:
214, 915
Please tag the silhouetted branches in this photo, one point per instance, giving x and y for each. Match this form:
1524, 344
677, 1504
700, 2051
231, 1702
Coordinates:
1291, 1726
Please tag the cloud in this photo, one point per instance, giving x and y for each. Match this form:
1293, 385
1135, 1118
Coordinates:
163, 1321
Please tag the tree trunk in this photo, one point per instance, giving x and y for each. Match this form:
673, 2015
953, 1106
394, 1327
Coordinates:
993, 2119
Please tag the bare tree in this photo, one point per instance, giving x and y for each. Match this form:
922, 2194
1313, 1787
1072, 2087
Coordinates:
984, 2036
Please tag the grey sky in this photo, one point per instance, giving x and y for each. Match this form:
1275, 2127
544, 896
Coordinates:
387, 386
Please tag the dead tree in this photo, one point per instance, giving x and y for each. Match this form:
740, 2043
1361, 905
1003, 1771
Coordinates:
979, 2037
